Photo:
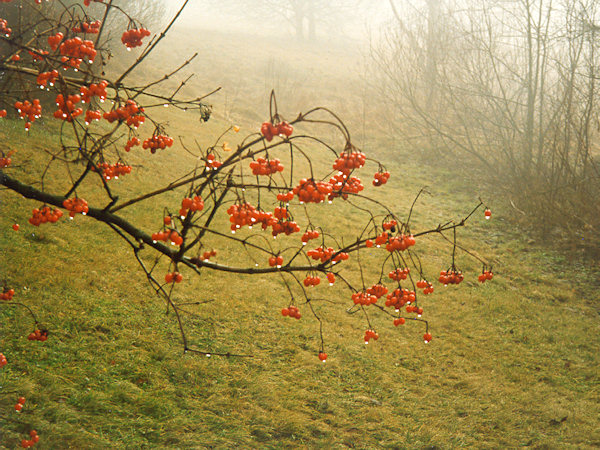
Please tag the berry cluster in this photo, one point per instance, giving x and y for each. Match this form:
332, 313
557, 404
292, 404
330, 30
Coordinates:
208, 254
74, 50
399, 297
38, 335
349, 161
7, 294
370, 334
156, 141
134, 141
310, 192
27, 443
2, 113
28, 110
426, 286
308, 235
191, 204
380, 178
37, 55
5, 162
391, 225
55, 40
19, 404
451, 276
362, 298
94, 90
44, 215
173, 277
129, 114
284, 226
326, 254
291, 311
3, 360
401, 242
414, 309
288, 197
76, 205
378, 290
342, 186
90, 28
166, 236
268, 130
90, 115
246, 214
15, 57
399, 321
211, 162
66, 109
47, 78
4, 29
133, 38
311, 281
399, 274
331, 278
264, 166
486, 275
110, 171
276, 261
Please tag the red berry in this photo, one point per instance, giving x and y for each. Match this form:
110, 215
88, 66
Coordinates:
323, 356
427, 337
18, 407
21, 400
15, 227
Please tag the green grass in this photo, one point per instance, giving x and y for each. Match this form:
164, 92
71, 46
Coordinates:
513, 362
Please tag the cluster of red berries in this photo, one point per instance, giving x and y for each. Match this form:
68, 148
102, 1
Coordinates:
284, 226
451, 276
166, 236
37, 55
486, 275
156, 141
75, 49
27, 443
94, 90
7, 294
212, 163
342, 186
264, 166
399, 297
55, 40
76, 205
173, 277
2, 113
246, 214
90, 28
3, 360
326, 254
44, 215
38, 335
349, 161
268, 130
426, 286
311, 281
362, 298
133, 38
330, 278
47, 78
399, 274
191, 204
308, 235
391, 225
370, 334
414, 309
90, 115
323, 356
288, 197
128, 113
399, 321
401, 242
310, 192
4, 28
380, 178
276, 261
19, 404
66, 109
134, 141
378, 290
487, 213
110, 171
5, 162
15, 57
208, 254
29, 110
291, 311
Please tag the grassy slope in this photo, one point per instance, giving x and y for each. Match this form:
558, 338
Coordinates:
510, 359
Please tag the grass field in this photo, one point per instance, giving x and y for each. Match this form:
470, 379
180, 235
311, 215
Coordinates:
513, 362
